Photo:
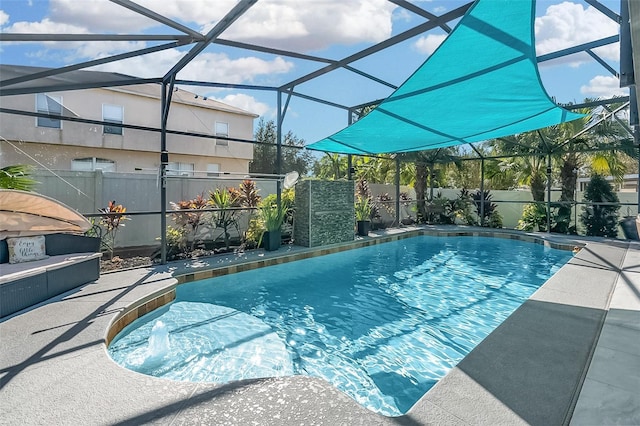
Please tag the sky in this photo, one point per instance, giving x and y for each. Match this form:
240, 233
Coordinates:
330, 29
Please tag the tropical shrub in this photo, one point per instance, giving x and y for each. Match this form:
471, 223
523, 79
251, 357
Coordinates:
287, 201
461, 208
248, 194
534, 218
273, 217
363, 192
561, 218
226, 201
176, 242
495, 220
405, 204
111, 220
250, 199
189, 221
600, 217
362, 208
442, 210
257, 225
488, 208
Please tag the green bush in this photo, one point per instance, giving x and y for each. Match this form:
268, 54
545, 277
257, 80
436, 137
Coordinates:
534, 218
462, 208
600, 219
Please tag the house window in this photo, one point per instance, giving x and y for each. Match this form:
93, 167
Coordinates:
222, 129
47, 104
92, 163
112, 114
180, 169
213, 170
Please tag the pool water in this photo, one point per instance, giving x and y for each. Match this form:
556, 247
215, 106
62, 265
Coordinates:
383, 323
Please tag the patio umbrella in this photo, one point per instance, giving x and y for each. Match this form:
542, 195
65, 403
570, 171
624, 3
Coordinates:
27, 213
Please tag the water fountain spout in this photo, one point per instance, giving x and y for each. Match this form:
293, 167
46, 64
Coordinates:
158, 341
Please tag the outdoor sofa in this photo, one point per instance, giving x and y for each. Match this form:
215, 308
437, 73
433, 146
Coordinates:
73, 260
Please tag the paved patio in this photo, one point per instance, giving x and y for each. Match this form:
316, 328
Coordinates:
582, 326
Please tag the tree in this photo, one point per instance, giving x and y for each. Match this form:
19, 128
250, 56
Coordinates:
265, 151
331, 167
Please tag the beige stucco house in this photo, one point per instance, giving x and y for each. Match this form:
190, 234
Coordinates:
67, 145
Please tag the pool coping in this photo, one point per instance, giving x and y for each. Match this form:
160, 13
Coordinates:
54, 367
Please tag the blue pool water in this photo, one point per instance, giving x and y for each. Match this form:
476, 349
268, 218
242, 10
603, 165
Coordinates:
382, 323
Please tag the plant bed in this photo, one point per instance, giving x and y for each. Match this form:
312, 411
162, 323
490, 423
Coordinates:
121, 263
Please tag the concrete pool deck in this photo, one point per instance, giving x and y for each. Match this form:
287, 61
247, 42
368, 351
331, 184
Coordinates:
570, 354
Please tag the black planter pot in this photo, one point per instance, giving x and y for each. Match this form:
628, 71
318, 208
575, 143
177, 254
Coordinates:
629, 228
271, 240
364, 226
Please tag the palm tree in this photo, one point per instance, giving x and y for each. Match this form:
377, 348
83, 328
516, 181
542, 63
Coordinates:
424, 163
331, 166
17, 177
528, 169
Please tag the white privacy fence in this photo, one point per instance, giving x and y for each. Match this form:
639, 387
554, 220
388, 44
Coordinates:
87, 192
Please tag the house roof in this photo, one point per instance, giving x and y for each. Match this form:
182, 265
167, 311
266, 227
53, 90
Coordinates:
76, 79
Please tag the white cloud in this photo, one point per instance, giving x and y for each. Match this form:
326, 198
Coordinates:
4, 17
317, 25
402, 15
245, 102
205, 67
219, 67
46, 26
430, 43
439, 9
99, 16
278, 23
604, 86
569, 24
70, 51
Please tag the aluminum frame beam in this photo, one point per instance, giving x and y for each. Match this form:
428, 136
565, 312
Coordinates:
421, 12
580, 48
32, 37
158, 18
101, 61
238, 10
605, 10
602, 62
77, 86
456, 13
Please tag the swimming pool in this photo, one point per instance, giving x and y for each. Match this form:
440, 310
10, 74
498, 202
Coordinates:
382, 323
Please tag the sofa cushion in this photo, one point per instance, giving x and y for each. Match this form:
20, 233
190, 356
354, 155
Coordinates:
4, 251
71, 243
26, 249
15, 271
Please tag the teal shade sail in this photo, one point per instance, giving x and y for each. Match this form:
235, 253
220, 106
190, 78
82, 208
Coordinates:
481, 83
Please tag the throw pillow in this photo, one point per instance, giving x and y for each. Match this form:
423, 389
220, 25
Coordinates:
26, 249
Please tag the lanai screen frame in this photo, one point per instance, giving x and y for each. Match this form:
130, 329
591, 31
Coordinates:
29, 84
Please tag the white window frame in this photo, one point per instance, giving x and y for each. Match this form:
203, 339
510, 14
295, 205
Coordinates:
221, 131
114, 130
213, 170
95, 164
42, 124
176, 168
